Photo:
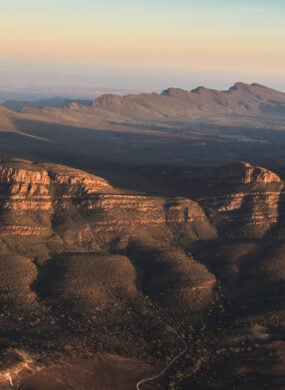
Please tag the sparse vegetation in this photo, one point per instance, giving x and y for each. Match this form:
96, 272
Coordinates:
111, 272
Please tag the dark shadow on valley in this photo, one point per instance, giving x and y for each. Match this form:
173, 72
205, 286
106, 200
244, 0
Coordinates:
138, 162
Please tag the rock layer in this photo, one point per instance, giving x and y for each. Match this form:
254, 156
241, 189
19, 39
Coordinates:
82, 208
244, 200
41, 199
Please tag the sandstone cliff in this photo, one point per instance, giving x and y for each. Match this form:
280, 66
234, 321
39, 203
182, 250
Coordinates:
82, 209
243, 200
46, 199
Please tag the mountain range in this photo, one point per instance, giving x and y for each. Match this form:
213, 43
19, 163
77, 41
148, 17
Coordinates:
239, 99
178, 128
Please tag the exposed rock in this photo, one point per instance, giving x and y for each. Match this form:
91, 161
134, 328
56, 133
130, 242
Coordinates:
15, 176
83, 208
23, 230
243, 198
86, 184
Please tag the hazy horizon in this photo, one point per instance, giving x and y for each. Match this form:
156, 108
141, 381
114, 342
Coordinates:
142, 46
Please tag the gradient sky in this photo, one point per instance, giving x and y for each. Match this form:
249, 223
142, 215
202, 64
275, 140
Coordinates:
142, 43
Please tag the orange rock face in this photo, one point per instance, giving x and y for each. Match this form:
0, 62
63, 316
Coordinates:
245, 199
10, 175
82, 208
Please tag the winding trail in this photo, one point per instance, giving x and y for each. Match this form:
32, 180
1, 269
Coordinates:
158, 376
205, 286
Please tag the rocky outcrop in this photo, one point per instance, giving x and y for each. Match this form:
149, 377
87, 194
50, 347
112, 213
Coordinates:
23, 189
79, 184
243, 199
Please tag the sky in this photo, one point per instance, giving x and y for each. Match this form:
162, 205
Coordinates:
141, 44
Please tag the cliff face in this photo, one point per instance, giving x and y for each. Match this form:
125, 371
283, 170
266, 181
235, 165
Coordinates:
83, 209
24, 189
137, 216
244, 200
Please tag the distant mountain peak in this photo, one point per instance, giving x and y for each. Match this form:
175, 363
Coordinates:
258, 85
208, 92
241, 98
256, 90
173, 92
239, 86
107, 100
199, 89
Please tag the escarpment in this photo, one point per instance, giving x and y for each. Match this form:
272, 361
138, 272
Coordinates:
25, 205
48, 213
242, 200
84, 211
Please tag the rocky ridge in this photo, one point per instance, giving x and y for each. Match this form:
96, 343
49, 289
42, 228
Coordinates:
239, 99
250, 203
41, 198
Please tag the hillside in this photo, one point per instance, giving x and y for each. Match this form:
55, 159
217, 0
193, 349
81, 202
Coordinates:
114, 267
